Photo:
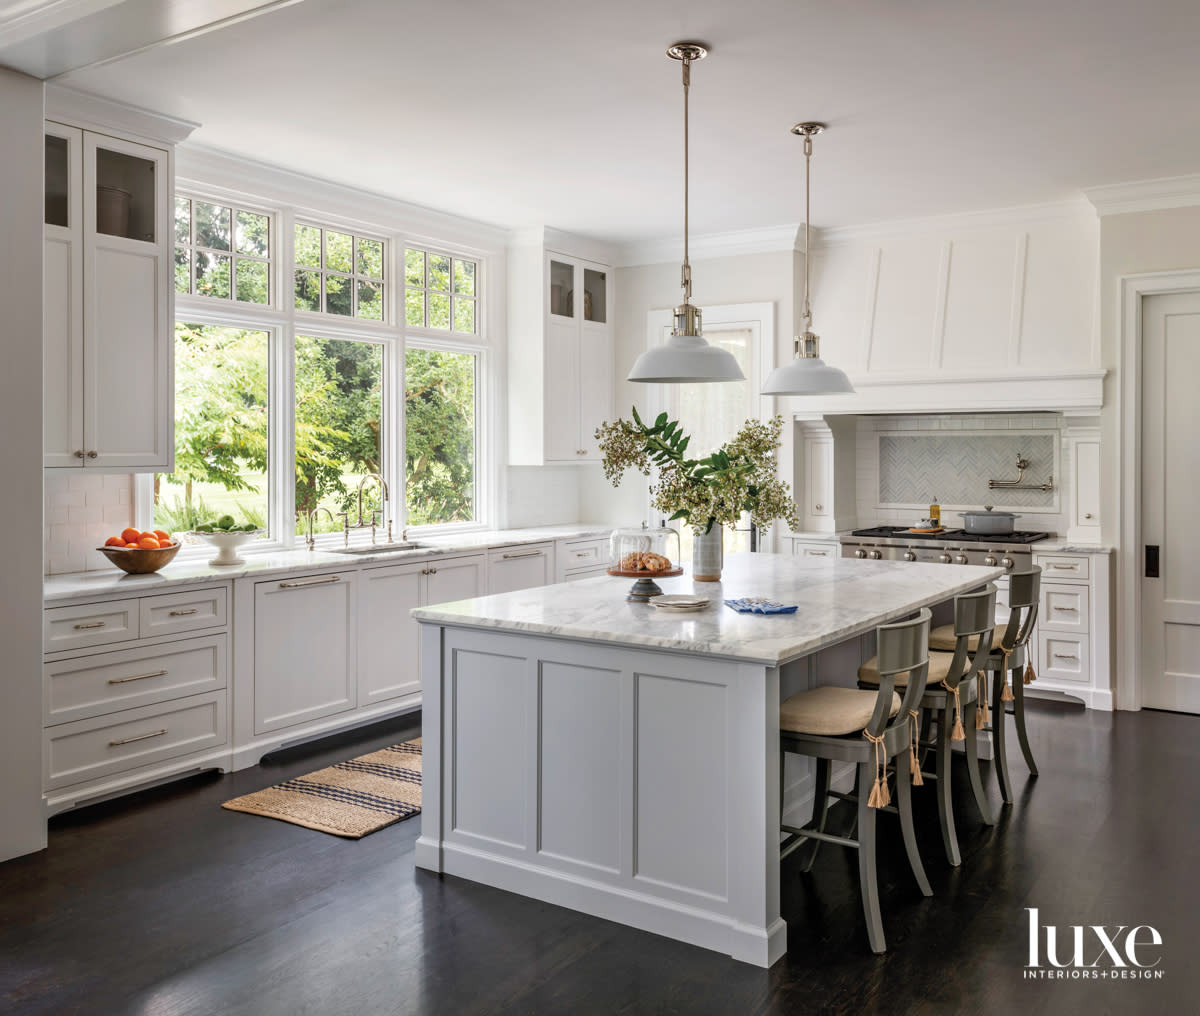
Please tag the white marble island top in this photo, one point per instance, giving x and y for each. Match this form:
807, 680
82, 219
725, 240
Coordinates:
838, 598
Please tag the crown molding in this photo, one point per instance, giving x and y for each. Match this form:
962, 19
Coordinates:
734, 243
1145, 195
69, 104
24, 20
570, 244
989, 218
200, 166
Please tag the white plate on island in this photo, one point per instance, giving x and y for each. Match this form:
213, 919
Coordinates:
680, 603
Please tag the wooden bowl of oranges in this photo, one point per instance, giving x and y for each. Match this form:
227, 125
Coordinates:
138, 552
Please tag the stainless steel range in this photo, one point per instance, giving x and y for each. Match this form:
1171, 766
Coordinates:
1013, 551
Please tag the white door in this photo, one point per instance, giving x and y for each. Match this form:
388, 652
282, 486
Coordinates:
387, 634
519, 568
460, 578
1170, 467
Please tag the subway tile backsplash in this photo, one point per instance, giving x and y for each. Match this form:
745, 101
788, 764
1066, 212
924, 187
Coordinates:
82, 510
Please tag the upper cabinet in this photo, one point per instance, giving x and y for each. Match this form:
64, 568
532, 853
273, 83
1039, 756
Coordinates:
107, 300
560, 348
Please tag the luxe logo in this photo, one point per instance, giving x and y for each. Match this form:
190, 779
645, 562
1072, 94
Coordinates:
1120, 952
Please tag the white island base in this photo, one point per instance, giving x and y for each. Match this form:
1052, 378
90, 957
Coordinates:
602, 756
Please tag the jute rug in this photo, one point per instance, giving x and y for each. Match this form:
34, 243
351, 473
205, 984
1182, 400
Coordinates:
349, 798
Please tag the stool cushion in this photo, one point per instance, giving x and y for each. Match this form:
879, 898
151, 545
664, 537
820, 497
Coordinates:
943, 639
939, 667
830, 711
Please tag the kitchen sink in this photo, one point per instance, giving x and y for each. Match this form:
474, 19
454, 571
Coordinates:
379, 548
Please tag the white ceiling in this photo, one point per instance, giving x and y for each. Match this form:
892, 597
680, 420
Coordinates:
568, 113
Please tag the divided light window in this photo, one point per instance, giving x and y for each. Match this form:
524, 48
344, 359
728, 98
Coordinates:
439, 292
339, 273
222, 251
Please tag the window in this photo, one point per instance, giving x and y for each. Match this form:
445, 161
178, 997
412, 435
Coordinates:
340, 425
339, 273
440, 439
439, 292
285, 405
222, 251
222, 436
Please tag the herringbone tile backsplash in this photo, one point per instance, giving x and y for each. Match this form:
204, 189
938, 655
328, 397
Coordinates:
954, 468
905, 462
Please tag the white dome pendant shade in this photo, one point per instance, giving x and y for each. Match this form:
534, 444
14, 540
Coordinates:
807, 374
685, 358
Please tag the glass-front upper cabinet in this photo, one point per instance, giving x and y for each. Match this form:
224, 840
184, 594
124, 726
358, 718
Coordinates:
63, 167
595, 296
126, 195
562, 288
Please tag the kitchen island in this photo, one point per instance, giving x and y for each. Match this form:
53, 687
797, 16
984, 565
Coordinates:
624, 761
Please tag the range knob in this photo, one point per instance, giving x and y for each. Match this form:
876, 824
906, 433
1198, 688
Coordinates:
874, 555
960, 558
990, 561
1007, 562
909, 556
944, 558
860, 553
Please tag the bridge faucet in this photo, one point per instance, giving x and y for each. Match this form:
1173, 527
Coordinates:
311, 540
383, 487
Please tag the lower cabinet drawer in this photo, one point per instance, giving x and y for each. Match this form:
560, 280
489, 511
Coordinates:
109, 682
173, 613
1064, 608
1064, 658
1068, 566
92, 624
105, 745
829, 550
583, 554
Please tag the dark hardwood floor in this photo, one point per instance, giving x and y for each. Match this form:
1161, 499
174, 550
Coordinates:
163, 903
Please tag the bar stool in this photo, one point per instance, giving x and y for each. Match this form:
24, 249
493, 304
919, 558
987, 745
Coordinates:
951, 699
1010, 657
870, 729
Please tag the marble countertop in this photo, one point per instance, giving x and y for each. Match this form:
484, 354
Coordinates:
1067, 547
838, 598
197, 570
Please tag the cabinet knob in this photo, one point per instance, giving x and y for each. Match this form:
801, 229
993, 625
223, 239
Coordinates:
1087, 515
93, 454
79, 454
819, 507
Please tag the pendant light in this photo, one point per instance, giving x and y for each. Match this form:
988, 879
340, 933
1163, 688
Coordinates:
807, 374
685, 357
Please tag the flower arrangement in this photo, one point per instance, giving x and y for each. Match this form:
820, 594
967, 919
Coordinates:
738, 477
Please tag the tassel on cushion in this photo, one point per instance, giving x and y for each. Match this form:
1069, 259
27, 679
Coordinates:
958, 733
879, 797
1030, 676
1006, 694
981, 714
914, 763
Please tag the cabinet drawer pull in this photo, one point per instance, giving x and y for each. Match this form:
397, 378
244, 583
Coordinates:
818, 553
93, 455
530, 553
90, 624
1068, 610
140, 737
1066, 567
1065, 656
140, 677
184, 613
310, 582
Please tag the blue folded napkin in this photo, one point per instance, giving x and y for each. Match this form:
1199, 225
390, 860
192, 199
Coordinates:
757, 605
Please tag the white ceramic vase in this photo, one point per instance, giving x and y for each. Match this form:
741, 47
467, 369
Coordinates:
708, 554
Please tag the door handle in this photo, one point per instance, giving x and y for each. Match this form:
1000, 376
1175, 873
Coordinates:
1151, 561
513, 557
310, 582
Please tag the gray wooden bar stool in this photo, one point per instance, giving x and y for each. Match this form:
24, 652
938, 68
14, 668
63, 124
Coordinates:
1012, 656
870, 729
951, 699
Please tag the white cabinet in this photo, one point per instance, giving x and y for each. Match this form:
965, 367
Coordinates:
1083, 500
513, 568
389, 665
815, 549
305, 650
579, 559
1072, 637
135, 691
824, 474
560, 367
107, 302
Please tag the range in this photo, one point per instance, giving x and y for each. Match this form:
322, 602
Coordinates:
951, 546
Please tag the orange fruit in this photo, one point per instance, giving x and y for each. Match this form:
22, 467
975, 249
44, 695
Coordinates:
146, 534
148, 543
161, 536
114, 541
130, 535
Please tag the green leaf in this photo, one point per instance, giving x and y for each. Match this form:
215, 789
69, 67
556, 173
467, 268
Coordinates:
661, 421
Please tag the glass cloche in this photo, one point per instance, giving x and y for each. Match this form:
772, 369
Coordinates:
644, 554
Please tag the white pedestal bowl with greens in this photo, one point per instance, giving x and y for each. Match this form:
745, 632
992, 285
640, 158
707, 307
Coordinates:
227, 535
